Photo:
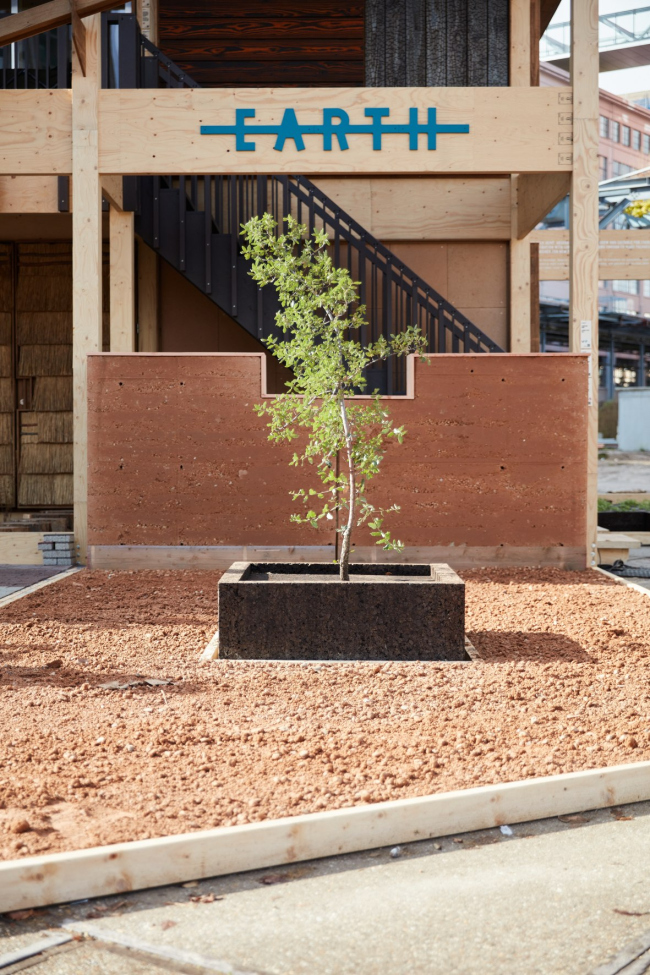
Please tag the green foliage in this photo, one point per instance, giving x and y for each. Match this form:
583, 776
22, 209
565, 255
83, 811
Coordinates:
627, 505
320, 319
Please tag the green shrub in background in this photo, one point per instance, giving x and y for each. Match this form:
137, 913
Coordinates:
628, 505
608, 419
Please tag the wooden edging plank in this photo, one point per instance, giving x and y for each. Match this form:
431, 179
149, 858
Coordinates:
100, 871
39, 585
626, 582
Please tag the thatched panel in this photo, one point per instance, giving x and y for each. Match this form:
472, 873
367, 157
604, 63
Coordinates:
44, 328
7, 395
6, 360
6, 459
6, 428
45, 360
5, 328
45, 458
7, 499
39, 489
51, 393
54, 427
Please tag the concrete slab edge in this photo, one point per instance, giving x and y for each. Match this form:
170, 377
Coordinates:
168, 952
36, 948
39, 585
626, 582
100, 871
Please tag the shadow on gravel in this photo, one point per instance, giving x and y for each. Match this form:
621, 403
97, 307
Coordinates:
501, 645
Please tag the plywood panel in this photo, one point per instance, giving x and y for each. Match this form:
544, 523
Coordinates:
29, 194
35, 137
159, 131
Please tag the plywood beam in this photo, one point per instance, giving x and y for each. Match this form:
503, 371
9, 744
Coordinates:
44, 17
159, 131
86, 262
420, 208
148, 340
537, 194
583, 311
35, 135
122, 281
29, 194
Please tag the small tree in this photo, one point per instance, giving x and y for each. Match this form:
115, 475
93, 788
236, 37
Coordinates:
320, 317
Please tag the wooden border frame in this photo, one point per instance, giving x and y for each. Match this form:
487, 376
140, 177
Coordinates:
104, 870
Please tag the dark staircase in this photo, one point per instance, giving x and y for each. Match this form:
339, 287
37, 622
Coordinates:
194, 222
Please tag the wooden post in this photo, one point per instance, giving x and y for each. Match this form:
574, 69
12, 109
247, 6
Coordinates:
147, 299
519, 278
520, 43
583, 313
86, 261
147, 13
122, 281
534, 297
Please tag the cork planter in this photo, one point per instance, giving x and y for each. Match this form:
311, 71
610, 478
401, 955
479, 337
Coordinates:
302, 611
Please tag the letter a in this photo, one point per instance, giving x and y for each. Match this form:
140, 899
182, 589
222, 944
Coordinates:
289, 129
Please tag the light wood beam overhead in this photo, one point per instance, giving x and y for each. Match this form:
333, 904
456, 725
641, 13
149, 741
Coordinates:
537, 194
27, 23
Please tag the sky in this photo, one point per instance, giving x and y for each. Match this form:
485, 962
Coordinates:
618, 82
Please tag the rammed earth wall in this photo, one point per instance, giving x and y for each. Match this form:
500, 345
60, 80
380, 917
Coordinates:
492, 470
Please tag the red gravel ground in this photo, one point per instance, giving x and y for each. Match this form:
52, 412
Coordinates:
562, 684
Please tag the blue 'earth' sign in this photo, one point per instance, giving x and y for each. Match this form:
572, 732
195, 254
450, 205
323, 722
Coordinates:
335, 125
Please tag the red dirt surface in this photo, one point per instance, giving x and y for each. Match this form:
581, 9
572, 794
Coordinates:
562, 684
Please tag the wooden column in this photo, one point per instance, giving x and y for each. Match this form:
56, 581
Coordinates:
520, 60
583, 312
147, 14
148, 340
520, 43
86, 261
122, 281
520, 295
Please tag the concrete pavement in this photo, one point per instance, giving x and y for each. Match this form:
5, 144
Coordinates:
555, 898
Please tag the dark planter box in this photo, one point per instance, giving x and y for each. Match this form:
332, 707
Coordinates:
301, 611
625, 521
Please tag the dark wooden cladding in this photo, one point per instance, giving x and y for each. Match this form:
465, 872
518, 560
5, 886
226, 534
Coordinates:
441, 43
269, 43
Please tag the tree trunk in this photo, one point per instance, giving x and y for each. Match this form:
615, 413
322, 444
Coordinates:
344, 558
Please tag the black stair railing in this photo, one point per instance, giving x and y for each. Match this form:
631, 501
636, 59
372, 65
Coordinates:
42, 61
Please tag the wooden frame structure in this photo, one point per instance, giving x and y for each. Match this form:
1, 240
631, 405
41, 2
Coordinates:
539, 141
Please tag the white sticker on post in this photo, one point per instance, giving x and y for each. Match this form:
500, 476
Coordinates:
589, 380
585, 335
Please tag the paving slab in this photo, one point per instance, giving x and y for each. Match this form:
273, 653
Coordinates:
554, 897
621, 471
